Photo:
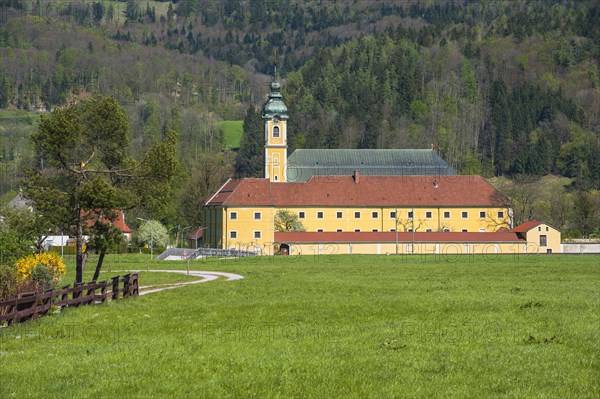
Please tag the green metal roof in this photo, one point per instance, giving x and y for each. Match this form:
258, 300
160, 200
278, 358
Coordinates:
275, 106
302, 163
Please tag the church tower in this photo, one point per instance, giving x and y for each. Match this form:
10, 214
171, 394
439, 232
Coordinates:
275, 116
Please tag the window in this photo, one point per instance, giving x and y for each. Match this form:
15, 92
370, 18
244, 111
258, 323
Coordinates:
428, 230
539, 228
446, 215
257, 216
233, 216
276, 177
465, 214
375, 230
482, 230
410, 214
546, 228
500, 214
338, 215
392, 229
319, 230
319, 215
409, 230
392, 215
357, 215
275, 131
543, 240
374, 215
257, 234
465, 230
233, 234
301, 215
445, 229
357, 230
428, 214
482, 215
339, 230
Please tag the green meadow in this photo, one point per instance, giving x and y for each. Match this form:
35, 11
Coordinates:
326, 326
232, 132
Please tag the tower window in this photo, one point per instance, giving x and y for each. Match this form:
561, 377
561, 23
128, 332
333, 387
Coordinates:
275, 131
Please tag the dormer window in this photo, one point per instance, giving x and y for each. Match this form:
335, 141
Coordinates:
275, 131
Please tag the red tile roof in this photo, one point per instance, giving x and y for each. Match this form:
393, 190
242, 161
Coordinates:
381, 237
526, 226
369, 191
118, 222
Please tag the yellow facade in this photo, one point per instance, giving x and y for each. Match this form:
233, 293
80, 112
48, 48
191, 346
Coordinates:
388, 219
543, 239
488, 249
275, 150
254, 226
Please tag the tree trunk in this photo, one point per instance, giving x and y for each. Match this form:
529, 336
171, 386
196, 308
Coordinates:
79, 247
99, 265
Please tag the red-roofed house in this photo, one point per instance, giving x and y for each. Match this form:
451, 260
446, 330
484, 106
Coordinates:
118, 222
541, 236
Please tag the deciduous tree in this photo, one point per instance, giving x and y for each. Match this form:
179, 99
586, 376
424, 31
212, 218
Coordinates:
86, 170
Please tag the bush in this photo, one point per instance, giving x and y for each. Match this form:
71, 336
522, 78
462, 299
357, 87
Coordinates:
27, 267
8, 282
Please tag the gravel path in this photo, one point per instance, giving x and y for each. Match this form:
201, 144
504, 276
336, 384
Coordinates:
204, 276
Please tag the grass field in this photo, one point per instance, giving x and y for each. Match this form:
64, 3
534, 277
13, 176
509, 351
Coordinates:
338, 326
232, 131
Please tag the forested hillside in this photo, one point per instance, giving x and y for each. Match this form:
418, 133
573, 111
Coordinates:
507, 89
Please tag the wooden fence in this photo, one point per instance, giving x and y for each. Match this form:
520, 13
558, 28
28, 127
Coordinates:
30, 305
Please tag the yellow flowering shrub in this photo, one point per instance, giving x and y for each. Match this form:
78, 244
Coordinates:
51, 261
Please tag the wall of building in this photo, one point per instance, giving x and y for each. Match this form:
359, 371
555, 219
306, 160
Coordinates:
383, 219
405, 248
580, 248
552, 241
245, 227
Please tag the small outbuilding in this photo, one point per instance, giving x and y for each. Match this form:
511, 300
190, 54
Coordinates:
540, 237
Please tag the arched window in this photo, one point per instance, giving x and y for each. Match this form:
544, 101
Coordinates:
276, 131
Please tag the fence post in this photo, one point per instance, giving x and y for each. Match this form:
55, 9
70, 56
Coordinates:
115, 288
103, 291
91, 293
126, 279
77, 292
134, 289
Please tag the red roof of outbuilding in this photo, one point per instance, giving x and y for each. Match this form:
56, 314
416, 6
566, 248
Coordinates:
368, 191
525, 227
118, 222
380, 237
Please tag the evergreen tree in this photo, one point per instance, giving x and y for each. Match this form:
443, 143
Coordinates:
250, 158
